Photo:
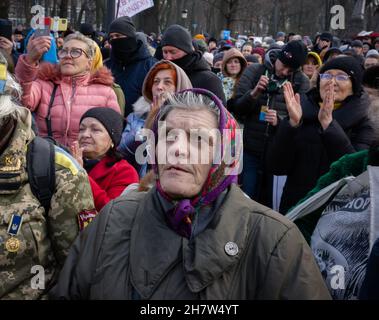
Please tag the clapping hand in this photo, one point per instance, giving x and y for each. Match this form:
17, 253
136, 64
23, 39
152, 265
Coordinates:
293, 105
325, 115
77, 153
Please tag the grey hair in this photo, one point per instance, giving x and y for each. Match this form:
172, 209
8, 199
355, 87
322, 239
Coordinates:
91, 45
10, 97
188, 100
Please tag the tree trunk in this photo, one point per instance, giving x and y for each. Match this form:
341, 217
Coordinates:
148, 20
4, 9
82, 9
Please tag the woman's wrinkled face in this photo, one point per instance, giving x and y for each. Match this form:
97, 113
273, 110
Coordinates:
93, 138
233, 67
75, 66
342, 88
163, 83
182, 175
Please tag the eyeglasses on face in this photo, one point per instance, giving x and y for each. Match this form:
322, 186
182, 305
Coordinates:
338, 77
73, 53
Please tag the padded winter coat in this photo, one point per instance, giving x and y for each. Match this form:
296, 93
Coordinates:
73, 97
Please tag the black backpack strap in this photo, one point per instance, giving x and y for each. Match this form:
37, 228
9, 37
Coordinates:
40, 159
48, 117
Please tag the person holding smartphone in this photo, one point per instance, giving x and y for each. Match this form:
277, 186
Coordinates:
7, 46
60, 94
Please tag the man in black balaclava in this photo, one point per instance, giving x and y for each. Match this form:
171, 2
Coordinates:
177, 47
130, 60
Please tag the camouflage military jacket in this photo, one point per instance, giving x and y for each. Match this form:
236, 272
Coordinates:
28, 270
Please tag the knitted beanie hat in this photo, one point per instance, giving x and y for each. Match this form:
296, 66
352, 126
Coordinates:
110, 119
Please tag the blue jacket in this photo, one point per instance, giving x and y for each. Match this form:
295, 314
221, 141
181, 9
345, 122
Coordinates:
128, 144
130, 77
49, 56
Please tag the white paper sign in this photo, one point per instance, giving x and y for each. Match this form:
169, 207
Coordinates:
132, 7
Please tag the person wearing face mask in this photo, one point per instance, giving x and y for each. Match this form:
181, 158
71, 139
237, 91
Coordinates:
177, 47
217, 62
129, 61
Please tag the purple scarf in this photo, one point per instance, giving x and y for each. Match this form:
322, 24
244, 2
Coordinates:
180, 217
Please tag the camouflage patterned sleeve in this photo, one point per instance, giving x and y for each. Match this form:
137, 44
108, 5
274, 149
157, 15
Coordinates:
72, 207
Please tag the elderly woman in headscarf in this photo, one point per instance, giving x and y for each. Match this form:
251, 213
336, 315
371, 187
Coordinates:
194, 235
60, 94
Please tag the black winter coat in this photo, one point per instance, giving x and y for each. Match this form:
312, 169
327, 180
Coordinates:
247, 109
200, 74
130, 76
305, 153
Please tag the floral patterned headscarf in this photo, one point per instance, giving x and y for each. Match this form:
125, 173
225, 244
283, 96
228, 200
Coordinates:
181, 215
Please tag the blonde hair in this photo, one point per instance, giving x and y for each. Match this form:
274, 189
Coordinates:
91, 49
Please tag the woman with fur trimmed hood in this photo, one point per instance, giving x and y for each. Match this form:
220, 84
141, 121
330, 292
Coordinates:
63, 92
164, 77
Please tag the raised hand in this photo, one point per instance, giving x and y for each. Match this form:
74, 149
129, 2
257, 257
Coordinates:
293, 105
325, 115
77, 152
158, 100
37, 47
260, 87
6, 45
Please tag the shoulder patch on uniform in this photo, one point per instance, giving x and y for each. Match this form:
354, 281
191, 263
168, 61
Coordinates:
66, 160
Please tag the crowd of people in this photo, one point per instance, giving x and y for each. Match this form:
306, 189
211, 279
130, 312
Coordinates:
299, 117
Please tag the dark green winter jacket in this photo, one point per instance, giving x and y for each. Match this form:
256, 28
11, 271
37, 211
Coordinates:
129, 252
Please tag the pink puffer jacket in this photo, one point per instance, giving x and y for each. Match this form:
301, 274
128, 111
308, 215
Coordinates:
73, 97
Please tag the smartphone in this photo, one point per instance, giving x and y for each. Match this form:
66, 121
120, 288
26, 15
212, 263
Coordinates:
42, 32
5, 29
58, 24
62, 26
46, 30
